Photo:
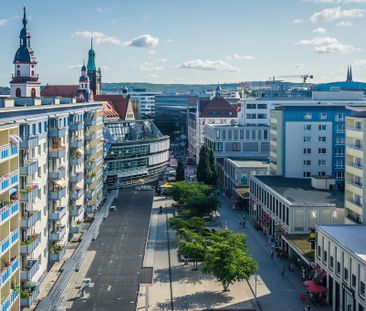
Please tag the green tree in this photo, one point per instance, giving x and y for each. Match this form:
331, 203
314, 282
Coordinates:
196, 224
191, 246
180, 176
201, 205
183, 190
206, 171
228, 263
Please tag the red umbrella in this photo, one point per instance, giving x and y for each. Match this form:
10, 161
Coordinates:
315, 288
309, 282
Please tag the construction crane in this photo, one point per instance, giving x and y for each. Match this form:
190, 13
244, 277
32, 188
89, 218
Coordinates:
303, 77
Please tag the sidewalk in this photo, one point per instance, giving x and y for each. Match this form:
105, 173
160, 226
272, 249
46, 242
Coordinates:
273, 288
192, 290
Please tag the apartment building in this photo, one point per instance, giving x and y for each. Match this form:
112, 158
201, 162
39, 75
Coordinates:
340, 254
10, 234
355, 191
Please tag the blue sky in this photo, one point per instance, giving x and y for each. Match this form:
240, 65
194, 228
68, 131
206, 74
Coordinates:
189, 41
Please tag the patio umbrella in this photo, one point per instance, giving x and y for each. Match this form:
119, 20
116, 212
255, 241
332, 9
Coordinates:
309, 283
315, 288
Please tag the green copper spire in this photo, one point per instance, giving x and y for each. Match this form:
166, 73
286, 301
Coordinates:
91, 58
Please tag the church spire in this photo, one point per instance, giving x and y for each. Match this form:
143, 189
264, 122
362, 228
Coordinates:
91, 58
350, 73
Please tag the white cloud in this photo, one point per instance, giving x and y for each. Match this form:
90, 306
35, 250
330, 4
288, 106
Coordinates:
142, 41
98, 37
106, 68
209, 65
330, 14
152, 76
155, 65
169, 40
344, 24
152, 52
74, 67
297, 21
101, 9
325, 45
360, 62
337, 1
236, 56
3, 22
319, 30
299, 66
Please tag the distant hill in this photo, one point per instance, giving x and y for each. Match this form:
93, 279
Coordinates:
4, 90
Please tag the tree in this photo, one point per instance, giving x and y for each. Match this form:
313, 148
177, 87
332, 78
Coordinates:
201, 205
191, 246
180, 176
183, 190
206, 171
228, 263
195, 224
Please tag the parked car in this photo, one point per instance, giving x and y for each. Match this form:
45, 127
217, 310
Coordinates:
113, 208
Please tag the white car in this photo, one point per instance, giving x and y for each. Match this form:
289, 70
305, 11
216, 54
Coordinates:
113, 208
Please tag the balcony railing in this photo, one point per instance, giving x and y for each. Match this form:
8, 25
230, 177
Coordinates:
9, 271
355, 147
9, 180
9, 241
57, 132
93, 121
76, 160
8, 210
30, 220
91, 150
77, 211
8, 302
90, 194
58, 173
27, 302
29, 193
57, 194
74, 178
76, 194
57, 152
28, 246
57, 214
359, 204
76, 126
90, 165
29, 269
89, 180
7, 151
75, 229
355, 165
57, 254
58, 234
28, 167
353, 183
25, 79
357, 129
78, 143
29, 142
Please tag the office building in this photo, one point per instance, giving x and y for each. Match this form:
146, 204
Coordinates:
145, 100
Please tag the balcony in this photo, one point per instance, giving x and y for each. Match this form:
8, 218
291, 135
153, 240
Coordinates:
57, 252
30, 220
355, 165
8, 272
77, 211
9, 180
58, 234
7, 151
76, 194
92, 121
76, 177
57, 153
57, 194
9, 241
90, 209
8, 210
76, 160
355, 184
356, 129
29, 193
91, 136
90, 194
90, 165
8, 302
355, 147
78, 143
91, 151
28, 167
57, 133
28, 246
29, 142
78, 126
356, 203
58, 213
58, 173
90, 180
29, 298
76, 228
29, 269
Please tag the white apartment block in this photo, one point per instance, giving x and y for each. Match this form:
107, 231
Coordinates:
255, 112
146, 102
341, 254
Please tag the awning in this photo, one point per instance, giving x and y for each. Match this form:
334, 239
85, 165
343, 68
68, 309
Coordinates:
15, 138
315, 288
242, 192
300, 245
61, 183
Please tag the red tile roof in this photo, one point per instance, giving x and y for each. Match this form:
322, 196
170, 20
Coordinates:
218, 107
118, 102
59, 90
109, 111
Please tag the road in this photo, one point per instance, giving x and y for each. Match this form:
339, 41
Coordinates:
275, 292
116, 268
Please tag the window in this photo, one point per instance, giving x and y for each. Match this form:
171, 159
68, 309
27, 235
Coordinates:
262, 116
339, 117
251, 106
323, 116
322, 127
325, 256
265, 134
338, 267
262, 106
322, 173
18, 92
236, 146
331, 262
362, 288
307, 162
308, 116
322, 162
251, 116
241, 134
253, 134
322, 139
354, 280
229, 135
223, 133
307, 174
259, 135
33, 92
307, 150
307, 139
307, 127
39, 127
345, 275
322, 150
217, 134
235, 134
45, 126
319, 251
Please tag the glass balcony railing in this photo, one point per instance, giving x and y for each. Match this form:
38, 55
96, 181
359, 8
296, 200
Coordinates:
57, 152
57, 173
55, 133
9, 180
9, 241
30, 220
29, 142
9, 271
57, 194
8, 302
77, 143
58, 213
29, 269
74, 178
28, 167
7, 151
29, 193
77, 210
57, 234
8, 210
30, 244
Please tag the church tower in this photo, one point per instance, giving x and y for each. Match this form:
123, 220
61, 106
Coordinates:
84, 94
25, 81
94, 74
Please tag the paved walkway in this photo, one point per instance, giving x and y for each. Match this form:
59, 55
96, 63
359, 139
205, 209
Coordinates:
275, 292
192, 290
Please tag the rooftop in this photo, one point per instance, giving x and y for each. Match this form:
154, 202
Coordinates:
299, 192
249, 163
350, 237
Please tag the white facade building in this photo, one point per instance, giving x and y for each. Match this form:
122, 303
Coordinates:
146, 102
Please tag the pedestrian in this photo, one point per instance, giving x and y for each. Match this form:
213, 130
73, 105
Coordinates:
283, 273
272, 253
291, 267
307, 308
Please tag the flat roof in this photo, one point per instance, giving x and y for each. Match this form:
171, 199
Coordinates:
249, 163
299, 192
350, 237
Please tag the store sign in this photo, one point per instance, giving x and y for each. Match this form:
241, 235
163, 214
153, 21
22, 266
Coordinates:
311, 235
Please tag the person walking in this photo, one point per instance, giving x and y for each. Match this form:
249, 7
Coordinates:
283, 273
272, 253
